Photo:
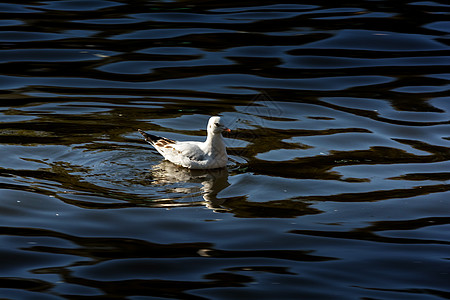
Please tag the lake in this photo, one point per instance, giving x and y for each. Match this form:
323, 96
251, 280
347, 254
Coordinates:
338, 184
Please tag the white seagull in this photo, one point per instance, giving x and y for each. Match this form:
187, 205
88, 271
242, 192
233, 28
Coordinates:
210, 154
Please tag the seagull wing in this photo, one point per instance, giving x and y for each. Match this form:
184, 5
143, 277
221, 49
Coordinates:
182, 153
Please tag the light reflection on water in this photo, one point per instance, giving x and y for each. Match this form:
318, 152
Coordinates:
338, 183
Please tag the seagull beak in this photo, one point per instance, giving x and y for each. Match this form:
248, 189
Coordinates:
227, 130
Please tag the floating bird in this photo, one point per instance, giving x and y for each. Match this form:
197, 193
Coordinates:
210, 154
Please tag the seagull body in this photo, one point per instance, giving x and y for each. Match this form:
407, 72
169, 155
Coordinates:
210, 154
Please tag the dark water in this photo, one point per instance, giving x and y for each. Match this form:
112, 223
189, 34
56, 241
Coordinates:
339, 184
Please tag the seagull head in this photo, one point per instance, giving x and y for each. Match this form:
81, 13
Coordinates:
215, 126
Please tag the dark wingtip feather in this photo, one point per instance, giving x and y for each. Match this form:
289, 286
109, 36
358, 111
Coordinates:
148, 137
153, 139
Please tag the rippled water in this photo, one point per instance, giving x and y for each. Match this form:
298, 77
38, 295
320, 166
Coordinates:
338, 185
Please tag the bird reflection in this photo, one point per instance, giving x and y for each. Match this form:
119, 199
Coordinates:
213, 181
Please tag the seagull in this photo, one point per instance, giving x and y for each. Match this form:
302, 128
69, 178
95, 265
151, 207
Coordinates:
210, 154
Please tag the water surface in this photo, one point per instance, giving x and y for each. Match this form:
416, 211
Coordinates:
338, 185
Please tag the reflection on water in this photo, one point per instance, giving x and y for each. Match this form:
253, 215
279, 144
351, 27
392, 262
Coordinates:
212, 182
338, 183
